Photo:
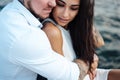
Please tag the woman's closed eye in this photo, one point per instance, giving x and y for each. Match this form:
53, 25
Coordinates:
74, 8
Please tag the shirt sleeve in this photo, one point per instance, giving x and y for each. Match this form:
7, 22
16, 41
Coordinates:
33, 51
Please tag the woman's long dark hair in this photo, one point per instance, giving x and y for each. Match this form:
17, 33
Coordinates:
81, 31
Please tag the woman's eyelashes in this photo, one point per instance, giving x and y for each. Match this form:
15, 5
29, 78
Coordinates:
74, 8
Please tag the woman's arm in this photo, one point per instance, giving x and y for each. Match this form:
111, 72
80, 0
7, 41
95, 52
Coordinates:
55, 37
114, 74
97, 38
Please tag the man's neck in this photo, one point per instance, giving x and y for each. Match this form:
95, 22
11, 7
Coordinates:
21, 1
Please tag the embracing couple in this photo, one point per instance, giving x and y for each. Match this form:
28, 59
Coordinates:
61, 47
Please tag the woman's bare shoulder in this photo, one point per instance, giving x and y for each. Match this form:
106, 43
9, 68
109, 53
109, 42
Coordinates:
51, 29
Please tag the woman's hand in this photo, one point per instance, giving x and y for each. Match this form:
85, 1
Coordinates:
94, 67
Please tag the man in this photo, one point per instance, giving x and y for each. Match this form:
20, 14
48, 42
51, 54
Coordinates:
25, 50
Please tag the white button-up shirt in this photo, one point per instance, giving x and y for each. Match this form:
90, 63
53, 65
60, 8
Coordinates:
25, 49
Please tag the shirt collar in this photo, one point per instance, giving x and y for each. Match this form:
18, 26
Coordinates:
32, 20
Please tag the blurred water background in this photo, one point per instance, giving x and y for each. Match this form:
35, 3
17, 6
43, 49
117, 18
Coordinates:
107, 21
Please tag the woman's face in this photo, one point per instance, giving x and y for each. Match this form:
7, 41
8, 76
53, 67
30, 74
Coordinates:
65, 11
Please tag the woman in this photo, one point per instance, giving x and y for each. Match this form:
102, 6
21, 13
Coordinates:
71, 32
82, 36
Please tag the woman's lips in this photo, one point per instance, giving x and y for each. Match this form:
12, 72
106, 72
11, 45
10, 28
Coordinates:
63, 20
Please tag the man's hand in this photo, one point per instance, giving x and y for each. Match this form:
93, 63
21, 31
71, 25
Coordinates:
83, 68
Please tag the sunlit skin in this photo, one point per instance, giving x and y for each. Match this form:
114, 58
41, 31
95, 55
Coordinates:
65, 11
43, 10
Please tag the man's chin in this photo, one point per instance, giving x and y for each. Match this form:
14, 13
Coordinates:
44, 17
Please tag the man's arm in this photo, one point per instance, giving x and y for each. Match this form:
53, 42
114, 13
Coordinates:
34, 52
